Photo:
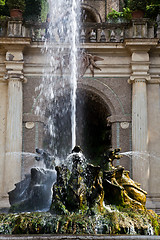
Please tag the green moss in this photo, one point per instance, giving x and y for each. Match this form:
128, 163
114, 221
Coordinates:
114, 222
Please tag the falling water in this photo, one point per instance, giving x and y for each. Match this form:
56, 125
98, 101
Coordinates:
74, 70
57, 92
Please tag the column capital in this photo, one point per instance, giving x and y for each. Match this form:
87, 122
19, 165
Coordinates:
16, 77
14, 68
139, 78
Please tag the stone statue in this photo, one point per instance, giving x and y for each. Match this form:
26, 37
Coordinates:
34, 192
119, 188
46, 157
80, 189
109, 157
87, 186
89, 61
83, 188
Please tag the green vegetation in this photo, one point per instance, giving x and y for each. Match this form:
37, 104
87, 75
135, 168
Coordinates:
2, 2
4, 11
38, 9
151, 8
33, 9
115, 15
16, 4
137, 5
44, 10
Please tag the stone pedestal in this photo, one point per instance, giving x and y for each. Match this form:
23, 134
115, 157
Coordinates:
140, 28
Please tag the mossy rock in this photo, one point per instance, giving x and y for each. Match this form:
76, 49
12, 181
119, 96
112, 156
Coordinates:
114, 221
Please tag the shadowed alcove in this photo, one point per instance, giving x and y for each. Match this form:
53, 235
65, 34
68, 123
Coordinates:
92, 134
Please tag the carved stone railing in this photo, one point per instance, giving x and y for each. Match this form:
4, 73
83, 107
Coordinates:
37, 31
104, 32
90, 32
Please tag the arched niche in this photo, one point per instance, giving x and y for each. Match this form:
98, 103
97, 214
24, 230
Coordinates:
90, 14
93, 131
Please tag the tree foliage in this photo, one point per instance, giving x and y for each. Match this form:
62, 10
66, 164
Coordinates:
153, 9
2, 2
16, 4
137, 5
150, 7
33, 10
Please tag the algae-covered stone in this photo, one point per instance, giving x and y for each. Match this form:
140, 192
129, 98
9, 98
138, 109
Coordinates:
115, 221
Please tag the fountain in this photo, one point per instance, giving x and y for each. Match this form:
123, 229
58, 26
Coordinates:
81, 199
73, 197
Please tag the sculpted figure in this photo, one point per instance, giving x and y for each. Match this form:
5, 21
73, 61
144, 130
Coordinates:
45, 156
118, 186
89, 61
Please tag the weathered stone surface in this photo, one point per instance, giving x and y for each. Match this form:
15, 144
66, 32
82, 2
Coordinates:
34, 192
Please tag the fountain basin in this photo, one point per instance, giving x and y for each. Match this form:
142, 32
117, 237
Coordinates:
77, 237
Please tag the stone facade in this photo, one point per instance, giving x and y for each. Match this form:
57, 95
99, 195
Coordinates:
128, 86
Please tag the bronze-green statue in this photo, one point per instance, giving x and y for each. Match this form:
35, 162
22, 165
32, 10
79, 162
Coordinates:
109, 156
119, 188
88, 187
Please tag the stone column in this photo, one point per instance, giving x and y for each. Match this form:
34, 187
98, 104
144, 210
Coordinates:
14, 76
13, 134
140, 164
139, 77
3, 95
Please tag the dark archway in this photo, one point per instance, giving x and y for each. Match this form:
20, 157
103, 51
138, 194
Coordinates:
90, 14
87, 16
93, 132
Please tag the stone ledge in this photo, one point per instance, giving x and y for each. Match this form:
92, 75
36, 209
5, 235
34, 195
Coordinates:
119, 118
29, 117
77, 237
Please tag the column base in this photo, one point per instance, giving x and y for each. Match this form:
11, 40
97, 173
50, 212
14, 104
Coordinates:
153, 203
4, 201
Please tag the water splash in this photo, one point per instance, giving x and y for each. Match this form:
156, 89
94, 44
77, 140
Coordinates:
139, 154
57, 91
26, 154
69, 160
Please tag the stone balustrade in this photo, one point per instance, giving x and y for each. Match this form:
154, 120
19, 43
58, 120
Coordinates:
90, 32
